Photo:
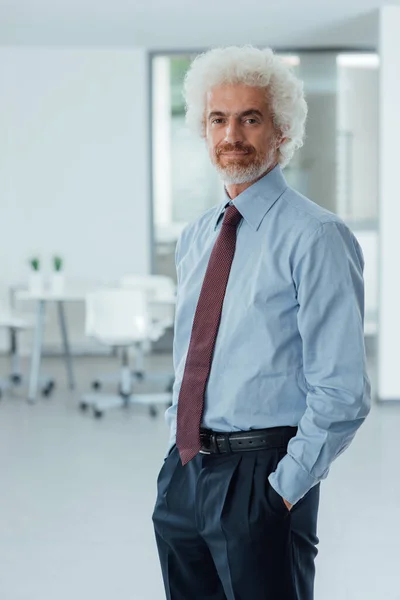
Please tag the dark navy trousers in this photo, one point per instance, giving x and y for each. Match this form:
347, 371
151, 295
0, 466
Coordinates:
223, 533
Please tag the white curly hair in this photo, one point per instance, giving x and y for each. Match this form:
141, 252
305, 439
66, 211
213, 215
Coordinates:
254, 67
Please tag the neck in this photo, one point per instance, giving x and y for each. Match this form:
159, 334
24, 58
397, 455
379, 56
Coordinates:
234, 189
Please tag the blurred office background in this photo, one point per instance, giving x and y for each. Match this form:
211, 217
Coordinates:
98, 176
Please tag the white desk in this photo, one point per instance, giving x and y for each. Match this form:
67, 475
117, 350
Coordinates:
69, 295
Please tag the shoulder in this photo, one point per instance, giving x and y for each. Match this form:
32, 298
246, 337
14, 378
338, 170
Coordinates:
312, 228
308, 213
313, 222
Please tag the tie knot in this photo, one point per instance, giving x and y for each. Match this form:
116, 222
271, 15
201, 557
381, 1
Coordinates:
232, 216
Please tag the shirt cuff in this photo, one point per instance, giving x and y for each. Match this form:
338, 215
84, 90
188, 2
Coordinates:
290, 480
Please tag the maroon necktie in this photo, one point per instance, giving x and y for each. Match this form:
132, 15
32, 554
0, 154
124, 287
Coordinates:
204, 333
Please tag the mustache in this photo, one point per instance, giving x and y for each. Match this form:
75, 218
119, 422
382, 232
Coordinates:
238, 147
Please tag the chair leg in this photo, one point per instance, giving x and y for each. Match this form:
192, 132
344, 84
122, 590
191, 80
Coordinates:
103, 402
16, 374
125, 381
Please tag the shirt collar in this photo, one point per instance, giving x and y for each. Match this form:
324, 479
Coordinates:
254, 203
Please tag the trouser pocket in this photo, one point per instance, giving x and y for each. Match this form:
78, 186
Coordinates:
275, 501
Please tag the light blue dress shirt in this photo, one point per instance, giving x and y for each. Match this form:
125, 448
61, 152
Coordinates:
290, 346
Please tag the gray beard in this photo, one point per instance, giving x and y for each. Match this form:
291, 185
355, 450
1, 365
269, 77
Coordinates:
238, 175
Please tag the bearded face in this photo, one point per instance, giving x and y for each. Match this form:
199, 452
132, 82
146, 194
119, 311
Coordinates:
241, 136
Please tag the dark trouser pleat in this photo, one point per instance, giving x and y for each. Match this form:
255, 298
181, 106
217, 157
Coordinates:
223, 533
187, 566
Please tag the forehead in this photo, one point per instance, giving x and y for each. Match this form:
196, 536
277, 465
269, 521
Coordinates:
236, 98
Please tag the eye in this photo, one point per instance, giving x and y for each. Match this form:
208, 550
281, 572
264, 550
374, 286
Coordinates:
216, 121
251, 121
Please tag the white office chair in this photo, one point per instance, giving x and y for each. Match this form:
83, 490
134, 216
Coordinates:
119, 318
157, 288
160, 293
16, 323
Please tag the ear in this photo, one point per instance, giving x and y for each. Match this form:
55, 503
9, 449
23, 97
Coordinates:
281, 135
279, 140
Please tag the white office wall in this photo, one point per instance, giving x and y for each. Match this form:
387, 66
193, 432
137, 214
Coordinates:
389, 204
74, 161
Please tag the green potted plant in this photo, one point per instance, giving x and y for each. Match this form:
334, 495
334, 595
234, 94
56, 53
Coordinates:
57, 280
35, 276
35, 263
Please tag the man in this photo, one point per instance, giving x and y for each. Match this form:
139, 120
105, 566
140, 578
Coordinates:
269, 355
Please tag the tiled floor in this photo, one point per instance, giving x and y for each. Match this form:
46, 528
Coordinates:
76, 496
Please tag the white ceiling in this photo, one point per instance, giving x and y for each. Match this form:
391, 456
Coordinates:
176, 24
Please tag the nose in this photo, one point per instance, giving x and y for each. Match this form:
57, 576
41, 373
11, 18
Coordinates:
233, 132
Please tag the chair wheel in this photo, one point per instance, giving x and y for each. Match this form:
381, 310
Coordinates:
16, 379
48, 388
97, 413
139, 375
153, 411
96, 385
83, 406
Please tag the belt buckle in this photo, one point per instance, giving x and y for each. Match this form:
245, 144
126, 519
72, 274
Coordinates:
212, 445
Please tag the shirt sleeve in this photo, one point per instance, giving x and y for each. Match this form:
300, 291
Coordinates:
330, 293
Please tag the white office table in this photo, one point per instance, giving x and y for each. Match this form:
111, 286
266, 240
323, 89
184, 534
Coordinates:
69, 295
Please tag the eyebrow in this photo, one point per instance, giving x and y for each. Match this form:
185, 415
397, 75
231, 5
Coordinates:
246, 113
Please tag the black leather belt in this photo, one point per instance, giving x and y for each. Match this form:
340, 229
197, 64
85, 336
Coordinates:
215, 442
